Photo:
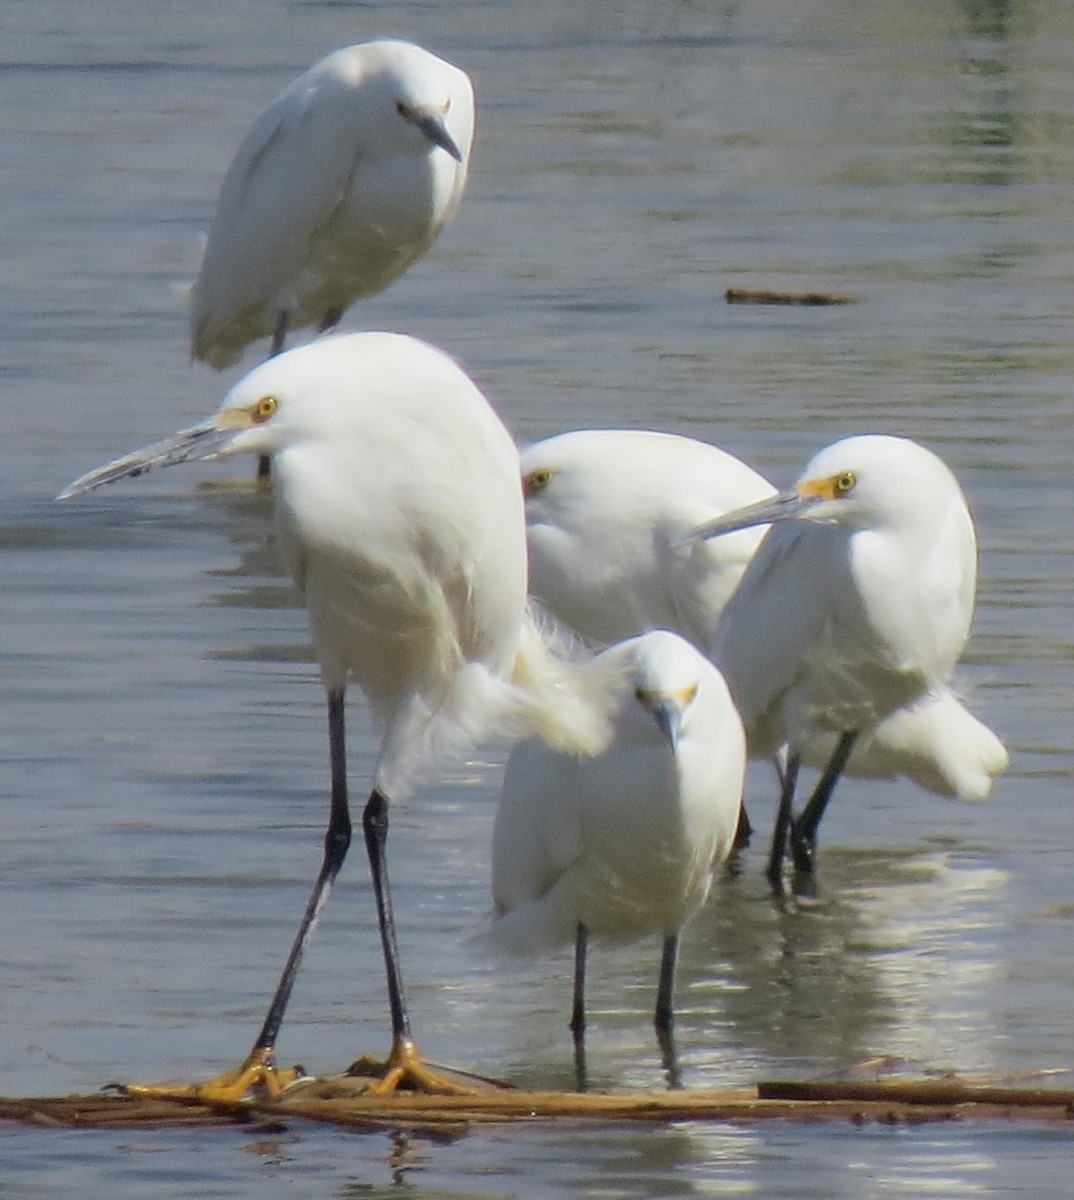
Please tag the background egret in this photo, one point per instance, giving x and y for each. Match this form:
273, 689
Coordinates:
342, 183
399, 511
607, 511
857, 603
623, 843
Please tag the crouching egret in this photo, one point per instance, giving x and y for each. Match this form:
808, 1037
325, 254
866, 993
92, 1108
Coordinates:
399, 511
622, 844
607, 511
342, 183
858, 601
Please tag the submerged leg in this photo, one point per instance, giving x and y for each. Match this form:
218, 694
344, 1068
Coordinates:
259, 1068
788, 772
581, 940
664, 1017
804, 826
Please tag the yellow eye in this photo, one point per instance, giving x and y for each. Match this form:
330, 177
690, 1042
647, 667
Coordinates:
535, 482
264, 409
844, 483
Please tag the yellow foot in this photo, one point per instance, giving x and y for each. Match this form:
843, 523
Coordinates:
258, 1076
404, 1071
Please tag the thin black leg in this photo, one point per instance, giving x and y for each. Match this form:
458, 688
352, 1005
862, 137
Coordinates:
330, 320
784, 818
375, 828
743, 830
581, 939
664, 1017
804, 826
337, 839
279, 334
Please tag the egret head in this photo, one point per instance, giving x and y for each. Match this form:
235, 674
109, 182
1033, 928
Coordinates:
662, 673
428, 93
321, 392
866, 482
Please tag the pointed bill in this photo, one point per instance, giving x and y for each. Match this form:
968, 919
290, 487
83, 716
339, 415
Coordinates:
778, 508
198, 442
667, 713
431, 123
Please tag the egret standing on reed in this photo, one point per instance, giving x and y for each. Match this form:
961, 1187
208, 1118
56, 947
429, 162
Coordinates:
399, 510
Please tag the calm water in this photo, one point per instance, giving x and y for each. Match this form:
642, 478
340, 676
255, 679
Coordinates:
162, 734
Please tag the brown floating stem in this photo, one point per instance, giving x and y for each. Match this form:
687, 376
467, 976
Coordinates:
940, 1091
738, 295
888, 1102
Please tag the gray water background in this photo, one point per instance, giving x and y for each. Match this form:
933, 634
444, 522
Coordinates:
162, 732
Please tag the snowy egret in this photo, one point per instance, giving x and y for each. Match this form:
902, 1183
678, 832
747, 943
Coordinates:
858, 601
606, 513
342, 183
399, 511
606, 510
622, 844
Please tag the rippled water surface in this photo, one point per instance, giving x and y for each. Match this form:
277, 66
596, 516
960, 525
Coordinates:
163, 744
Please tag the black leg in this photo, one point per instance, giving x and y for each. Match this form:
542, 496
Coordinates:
279, 334
664, 1018
330, 320
804, 826
375, 827
784, 817
337, 839
743, 831
581, 938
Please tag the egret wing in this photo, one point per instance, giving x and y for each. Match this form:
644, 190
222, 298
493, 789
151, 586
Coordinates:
287, 178
776, 616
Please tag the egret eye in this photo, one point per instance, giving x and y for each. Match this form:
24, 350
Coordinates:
536, 481
845, 483
264, 409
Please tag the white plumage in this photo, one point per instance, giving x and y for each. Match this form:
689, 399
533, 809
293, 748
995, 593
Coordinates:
622, 844
607, 513
857, 603
342, 183
399, 509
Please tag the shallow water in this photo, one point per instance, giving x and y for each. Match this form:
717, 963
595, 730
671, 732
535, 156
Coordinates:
162, 733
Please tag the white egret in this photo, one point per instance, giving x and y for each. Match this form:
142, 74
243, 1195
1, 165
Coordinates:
622, 844
607, 511
606, 514
399, 511
342, 183
858, 602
